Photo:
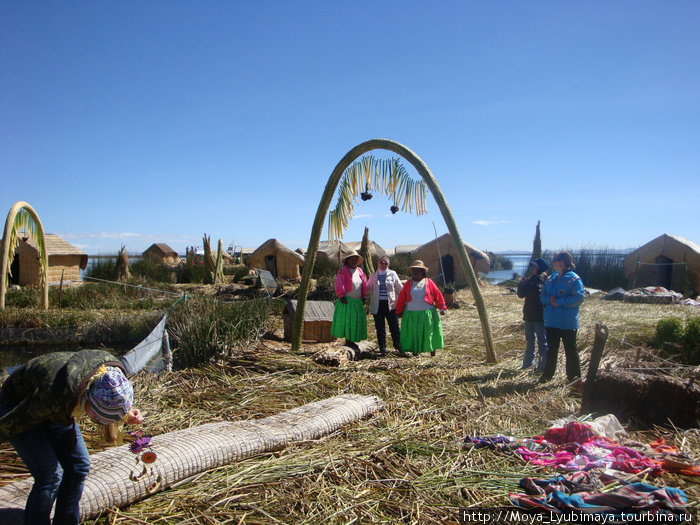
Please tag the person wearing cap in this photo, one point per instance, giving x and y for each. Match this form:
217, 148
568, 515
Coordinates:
561, 296
529, 289
349, 317
40, 404
418, 305
384, 287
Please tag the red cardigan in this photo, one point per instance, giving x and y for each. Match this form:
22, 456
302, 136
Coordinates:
433, 296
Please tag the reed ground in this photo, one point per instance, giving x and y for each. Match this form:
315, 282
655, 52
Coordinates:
406, 463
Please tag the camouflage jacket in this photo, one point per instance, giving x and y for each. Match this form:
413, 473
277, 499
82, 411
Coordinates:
47, 389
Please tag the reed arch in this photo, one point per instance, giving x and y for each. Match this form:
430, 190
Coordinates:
435, 190
10, 237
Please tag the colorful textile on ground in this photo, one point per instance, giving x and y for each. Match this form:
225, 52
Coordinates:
583, 492
577, 447
421, 331
350, 320
573, 432
492, 442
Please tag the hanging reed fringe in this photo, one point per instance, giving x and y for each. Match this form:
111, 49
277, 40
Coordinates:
191, 451
387, 176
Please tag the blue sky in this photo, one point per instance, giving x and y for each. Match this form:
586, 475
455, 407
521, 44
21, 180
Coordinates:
139, 122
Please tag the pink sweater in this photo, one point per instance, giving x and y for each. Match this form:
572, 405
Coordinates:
343, 282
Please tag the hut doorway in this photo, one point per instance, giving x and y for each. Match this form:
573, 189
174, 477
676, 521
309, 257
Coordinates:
271, 264
448, 269
664, 271
14, 268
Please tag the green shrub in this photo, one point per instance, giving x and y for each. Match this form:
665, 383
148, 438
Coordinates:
192, 271
239, 271
600, 268
400, 263
691, 341
152, 270
669, 332
324, 267
204, 329
103, 268
325, 289
24, 297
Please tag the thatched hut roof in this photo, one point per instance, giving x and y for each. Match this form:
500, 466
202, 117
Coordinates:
405, 248
57, 246
338, 250
274, 256
374, 249
443, 247
661, 263
160, 249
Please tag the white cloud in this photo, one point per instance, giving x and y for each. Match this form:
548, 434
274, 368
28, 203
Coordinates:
483, 222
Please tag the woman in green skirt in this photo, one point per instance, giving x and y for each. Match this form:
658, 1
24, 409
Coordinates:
418, 304
349, 318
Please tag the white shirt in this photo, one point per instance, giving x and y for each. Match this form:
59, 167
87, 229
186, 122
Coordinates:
417, 301
356, 291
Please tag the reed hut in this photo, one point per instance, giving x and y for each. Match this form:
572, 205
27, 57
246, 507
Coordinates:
318, 317
162, 253
338, 250
65, 261
444, 250
275, 257
669, 261
405, 248
375, 250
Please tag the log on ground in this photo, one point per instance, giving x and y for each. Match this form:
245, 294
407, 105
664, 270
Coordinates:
185, 453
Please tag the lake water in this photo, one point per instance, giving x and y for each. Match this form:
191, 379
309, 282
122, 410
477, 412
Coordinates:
520, 263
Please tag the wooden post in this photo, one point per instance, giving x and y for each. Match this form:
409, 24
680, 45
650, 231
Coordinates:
601, 336
634, 278
60, 289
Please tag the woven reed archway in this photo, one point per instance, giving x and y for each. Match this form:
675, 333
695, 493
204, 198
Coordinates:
6, 242
432, 184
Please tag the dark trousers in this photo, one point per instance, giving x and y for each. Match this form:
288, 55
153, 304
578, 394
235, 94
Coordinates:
555, 336
390, 316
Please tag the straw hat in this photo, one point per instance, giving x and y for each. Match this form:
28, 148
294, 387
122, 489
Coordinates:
418, 264
354, 254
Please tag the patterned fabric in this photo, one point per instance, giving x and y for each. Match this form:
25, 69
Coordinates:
421, 331
573, 432
381, 279
491, 442
349, 320
576, 447
111, 396
591, 494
